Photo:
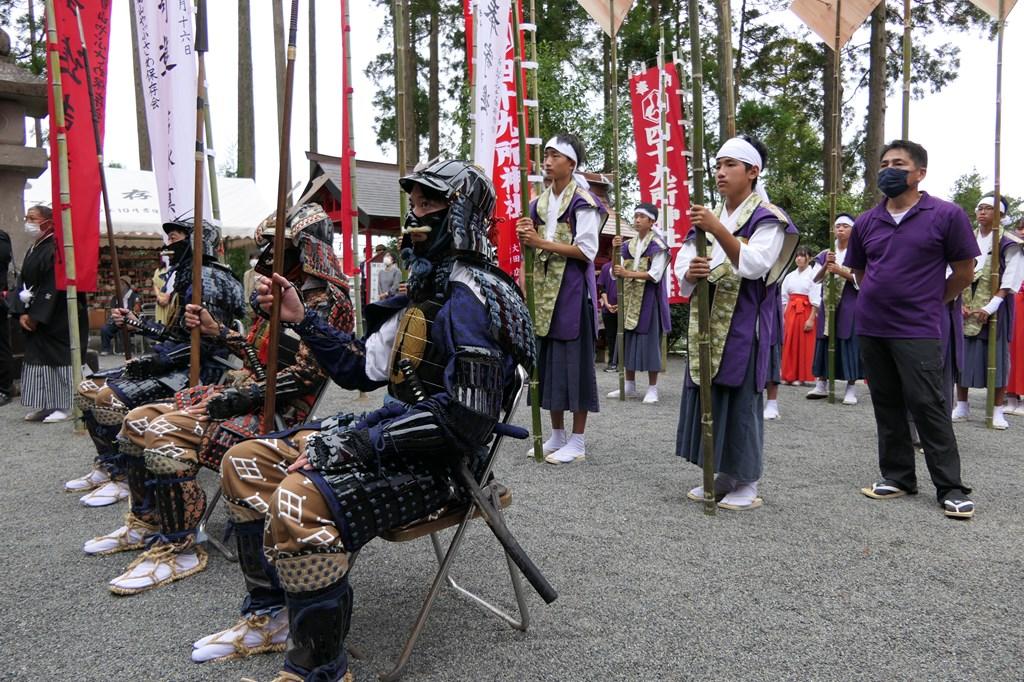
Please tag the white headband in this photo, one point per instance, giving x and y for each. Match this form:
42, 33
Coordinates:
844, 220
991, 203
567, 151
644, 211
741, 150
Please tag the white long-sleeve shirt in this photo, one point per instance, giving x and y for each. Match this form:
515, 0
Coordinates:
659, 262
818, 292
757, 256
1013, 273
797, 282
588, 225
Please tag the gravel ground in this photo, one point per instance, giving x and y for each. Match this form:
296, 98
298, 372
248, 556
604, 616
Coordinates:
821, 583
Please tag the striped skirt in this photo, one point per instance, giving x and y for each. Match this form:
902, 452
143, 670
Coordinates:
46, 387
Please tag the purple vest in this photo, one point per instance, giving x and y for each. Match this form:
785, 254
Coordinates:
756, 311
1004, 316
655, 293
845, 307
578, 276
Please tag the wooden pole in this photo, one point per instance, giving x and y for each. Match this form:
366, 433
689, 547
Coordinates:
728, 82
617, 254
997, 227
279, 226
906, 69
357, 280
95, 115
211, 164
524, 208
200, 158
401, 38
832, 292
67, 233
702, 291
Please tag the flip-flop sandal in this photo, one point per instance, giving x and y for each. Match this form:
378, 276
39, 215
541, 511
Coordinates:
958, 509
883, 491
754, 504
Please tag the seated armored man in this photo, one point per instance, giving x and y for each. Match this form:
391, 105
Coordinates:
105, 397
447, 353
173, 439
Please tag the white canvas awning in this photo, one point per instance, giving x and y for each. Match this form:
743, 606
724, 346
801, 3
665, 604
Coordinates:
135, 210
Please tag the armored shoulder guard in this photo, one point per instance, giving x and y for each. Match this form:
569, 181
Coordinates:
511, 324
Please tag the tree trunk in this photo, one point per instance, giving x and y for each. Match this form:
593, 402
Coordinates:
32, 46
246, 161
313, 141
145, 151
412, 128
434, 108
875, 133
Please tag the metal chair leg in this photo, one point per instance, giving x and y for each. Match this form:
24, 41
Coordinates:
203, 536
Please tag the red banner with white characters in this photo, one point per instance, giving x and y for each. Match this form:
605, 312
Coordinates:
83, 170
501, 113
673, 215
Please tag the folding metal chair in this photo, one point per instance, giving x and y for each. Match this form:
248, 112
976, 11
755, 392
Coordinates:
460, 518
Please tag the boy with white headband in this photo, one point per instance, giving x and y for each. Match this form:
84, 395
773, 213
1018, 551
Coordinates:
644, 301
847, 351
566, 294
751, 243
979, 302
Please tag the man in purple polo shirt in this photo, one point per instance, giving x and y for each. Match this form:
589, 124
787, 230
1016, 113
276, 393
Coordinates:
899, 252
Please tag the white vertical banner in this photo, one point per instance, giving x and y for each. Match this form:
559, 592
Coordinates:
168, 64
491, 36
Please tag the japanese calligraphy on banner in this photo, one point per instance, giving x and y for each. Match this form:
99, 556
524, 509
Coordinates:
654, 187
496, 134
84, 177
168, 67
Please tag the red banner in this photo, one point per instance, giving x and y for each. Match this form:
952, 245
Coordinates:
505, 169
83, 170
647, 110
348, 211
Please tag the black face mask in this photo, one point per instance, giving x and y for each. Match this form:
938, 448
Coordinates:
893, 181
177, 250
435, 221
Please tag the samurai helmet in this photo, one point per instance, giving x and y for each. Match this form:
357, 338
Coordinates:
309, 248
211, 240
463, 227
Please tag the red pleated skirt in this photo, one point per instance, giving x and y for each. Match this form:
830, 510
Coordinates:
797, 345
1015, 382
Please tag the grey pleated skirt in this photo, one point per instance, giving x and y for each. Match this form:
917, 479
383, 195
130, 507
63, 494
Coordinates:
974, 373
643, 351
738, 414
847, 359
46, 387
567, 375
775, 363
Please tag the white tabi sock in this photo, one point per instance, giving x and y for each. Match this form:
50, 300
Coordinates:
556, 441
1011, 404
998, 418
962, 410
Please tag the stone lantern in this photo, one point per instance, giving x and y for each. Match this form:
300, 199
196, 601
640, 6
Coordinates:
21, 95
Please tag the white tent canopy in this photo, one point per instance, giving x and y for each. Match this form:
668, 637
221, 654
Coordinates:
135, 210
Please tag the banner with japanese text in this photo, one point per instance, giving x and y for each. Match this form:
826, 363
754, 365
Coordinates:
84, 176
665, 188
168, 67
496, 136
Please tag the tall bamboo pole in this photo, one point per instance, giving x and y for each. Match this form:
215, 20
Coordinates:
538, 152
524, 210
906, 69
95, 116
67, 233
832, 282
997, 227
279, 225
666, 208
728, 83
617, 255
200, 158
707, 437
401, 38
357, 280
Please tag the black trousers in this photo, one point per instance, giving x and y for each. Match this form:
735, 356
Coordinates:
6, 357
611, 331
906, 375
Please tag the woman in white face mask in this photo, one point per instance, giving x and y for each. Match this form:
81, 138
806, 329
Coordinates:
41, 311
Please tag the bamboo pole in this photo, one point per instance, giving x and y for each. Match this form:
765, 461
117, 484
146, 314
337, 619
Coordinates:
702, 291
728, 83
279, 225
211, 165
906, 69
95, 116
666, 209
357, 280
997, 227
472, 86
401, 123
67, 233
832, 282
617, 255
538, 152
524, 208
200, 158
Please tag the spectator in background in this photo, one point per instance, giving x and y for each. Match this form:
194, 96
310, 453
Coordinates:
6, 359
607, 292
249, 280
389, 278
130, 300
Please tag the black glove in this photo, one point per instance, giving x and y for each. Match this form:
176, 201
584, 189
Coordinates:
234, 402
145, 366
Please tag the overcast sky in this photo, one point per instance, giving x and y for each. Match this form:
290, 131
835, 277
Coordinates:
956, 126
